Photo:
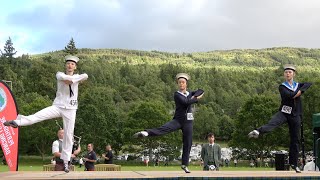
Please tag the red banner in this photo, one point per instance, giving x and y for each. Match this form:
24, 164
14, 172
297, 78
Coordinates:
8, 135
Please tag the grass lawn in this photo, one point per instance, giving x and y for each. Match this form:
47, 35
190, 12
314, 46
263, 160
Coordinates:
35, 163
37, 167
223, 144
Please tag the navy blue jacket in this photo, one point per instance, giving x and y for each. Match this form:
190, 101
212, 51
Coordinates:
183, 105
288, 100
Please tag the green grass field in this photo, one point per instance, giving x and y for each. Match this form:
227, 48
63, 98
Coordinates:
37, 167
35, 163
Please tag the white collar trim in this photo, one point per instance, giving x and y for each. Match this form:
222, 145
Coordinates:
186, 95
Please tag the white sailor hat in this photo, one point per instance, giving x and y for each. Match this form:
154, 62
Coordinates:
183, 75
289, 66
72, 58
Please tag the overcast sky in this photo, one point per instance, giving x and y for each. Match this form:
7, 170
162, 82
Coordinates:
37, 26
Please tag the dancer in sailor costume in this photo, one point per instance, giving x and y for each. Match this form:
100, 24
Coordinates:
183, 118
65, 105
290, 112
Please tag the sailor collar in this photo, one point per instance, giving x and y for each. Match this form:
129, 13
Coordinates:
294, 86
185, 95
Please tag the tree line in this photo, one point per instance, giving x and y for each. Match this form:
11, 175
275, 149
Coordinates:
131, 90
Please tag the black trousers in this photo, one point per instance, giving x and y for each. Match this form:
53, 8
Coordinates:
173, 125
294, 123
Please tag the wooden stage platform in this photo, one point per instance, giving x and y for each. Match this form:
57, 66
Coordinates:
160, 175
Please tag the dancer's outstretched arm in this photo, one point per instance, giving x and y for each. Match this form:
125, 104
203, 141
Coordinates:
75, 78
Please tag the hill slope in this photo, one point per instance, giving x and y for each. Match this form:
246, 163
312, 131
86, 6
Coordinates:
306, 59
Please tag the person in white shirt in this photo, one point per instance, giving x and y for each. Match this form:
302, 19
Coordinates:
65, 105
57, 149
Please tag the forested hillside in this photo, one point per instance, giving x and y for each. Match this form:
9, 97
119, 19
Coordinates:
130, 90
258, 58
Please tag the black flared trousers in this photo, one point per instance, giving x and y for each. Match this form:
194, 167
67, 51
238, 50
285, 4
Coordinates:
294, 123
186, 126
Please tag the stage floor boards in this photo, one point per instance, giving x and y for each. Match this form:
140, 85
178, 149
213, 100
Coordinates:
160, 175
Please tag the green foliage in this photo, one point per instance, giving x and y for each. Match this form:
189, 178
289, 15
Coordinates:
98, 121
239, 60
150, 115
311, 105
125, 84
40, 135
226, 127
256, 112
205, 122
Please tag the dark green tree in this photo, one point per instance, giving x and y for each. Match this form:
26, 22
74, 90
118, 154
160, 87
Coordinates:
226, 127
71, 48
151, 115
205, 122
256, 112
9, 50
40, 135
98, 119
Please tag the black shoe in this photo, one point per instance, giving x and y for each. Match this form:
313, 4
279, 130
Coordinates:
185, 168
254, 134
66, 168
11, 123
296, 168
139, 134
